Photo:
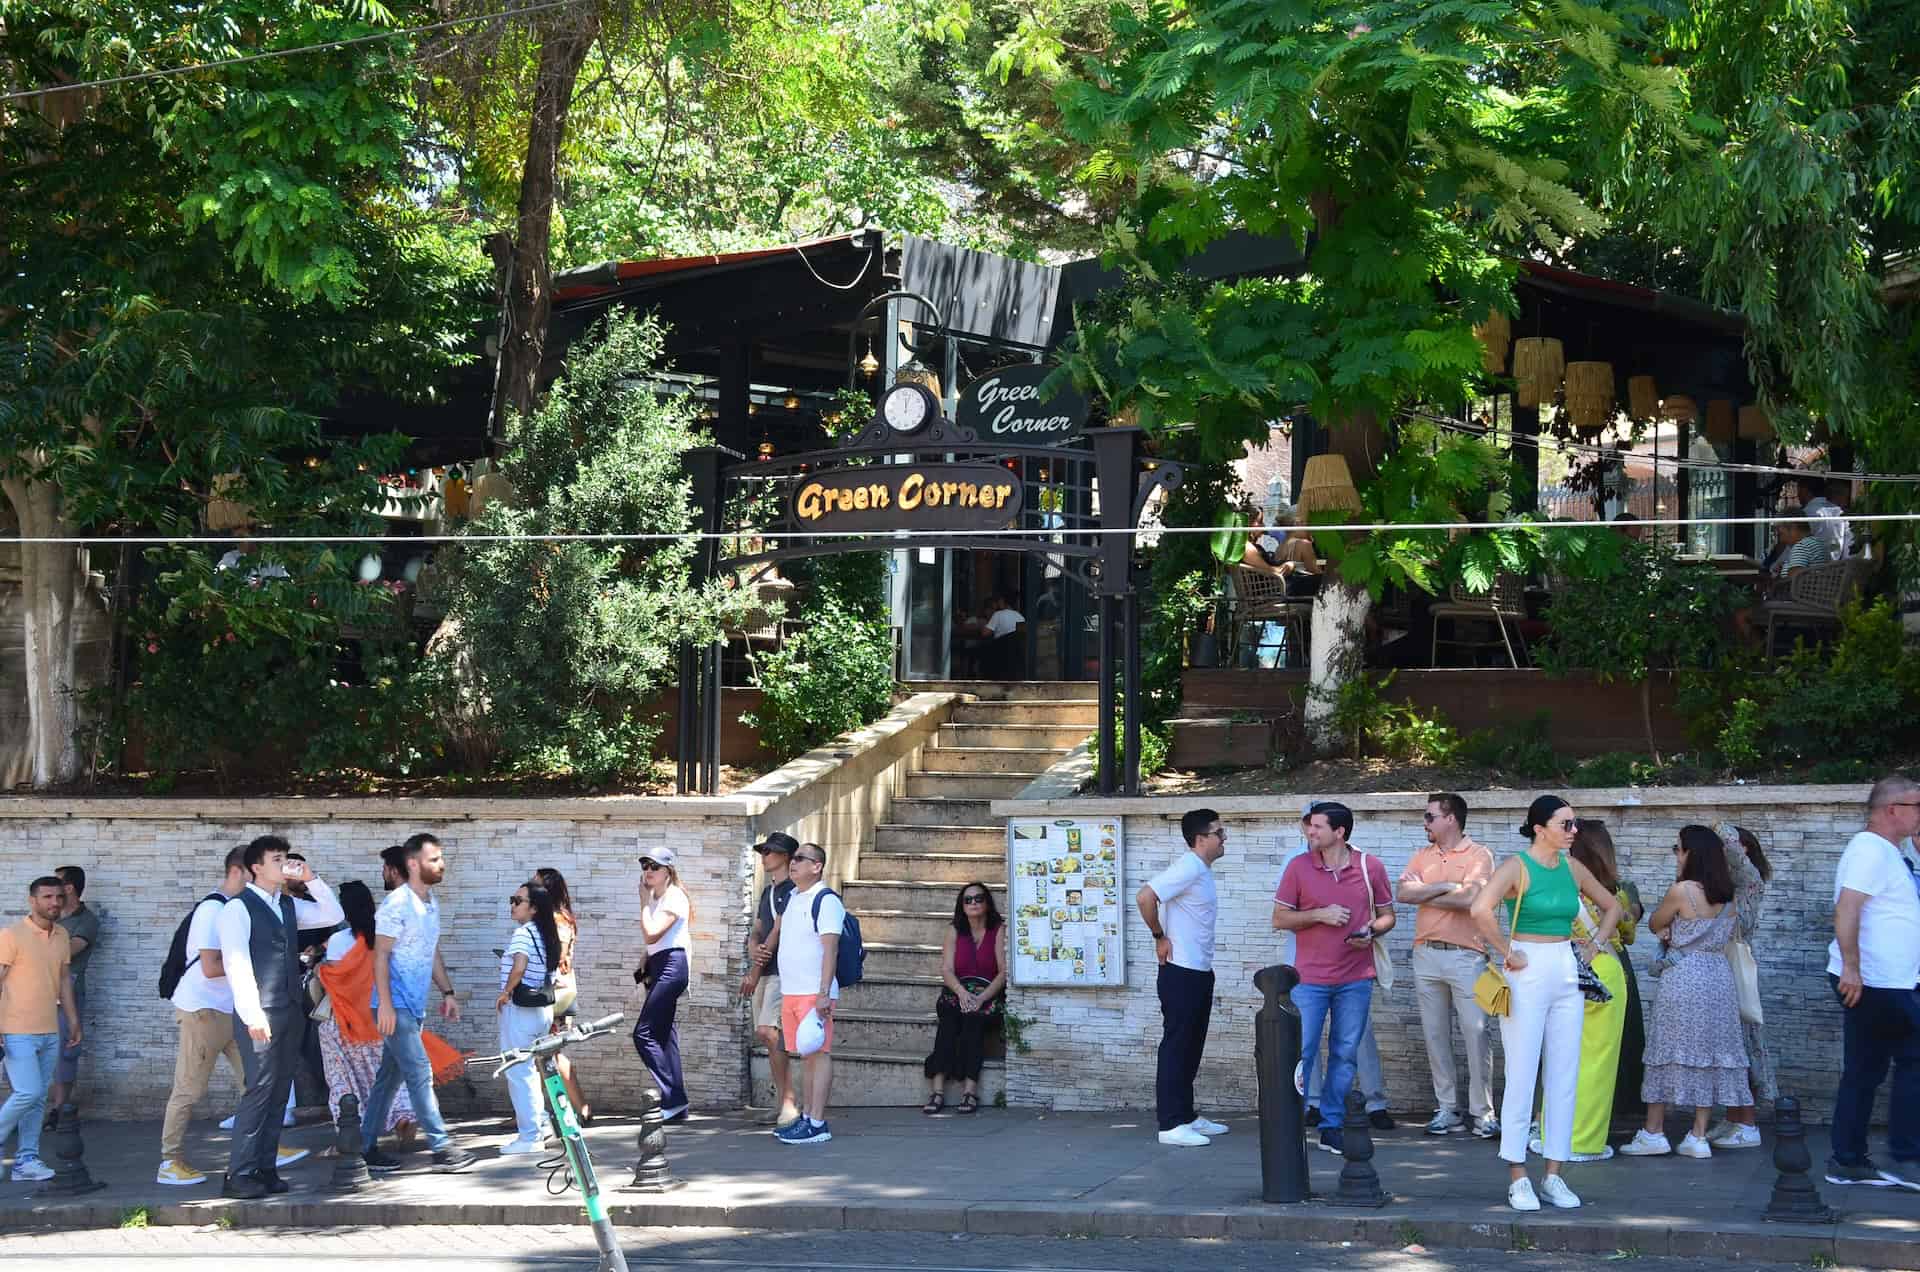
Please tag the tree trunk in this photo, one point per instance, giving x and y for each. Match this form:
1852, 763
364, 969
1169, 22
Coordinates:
52, 587
1337, 648
566, 37
1646, 715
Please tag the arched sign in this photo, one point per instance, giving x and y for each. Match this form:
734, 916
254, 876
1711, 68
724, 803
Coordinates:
1008, 405
908, 497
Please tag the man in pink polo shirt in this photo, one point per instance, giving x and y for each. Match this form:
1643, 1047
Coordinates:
1448, 954
1336, 901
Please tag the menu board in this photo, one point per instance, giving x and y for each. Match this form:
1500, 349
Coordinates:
1064, 878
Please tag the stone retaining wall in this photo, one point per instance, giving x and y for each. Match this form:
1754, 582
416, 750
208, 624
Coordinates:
1093, 1049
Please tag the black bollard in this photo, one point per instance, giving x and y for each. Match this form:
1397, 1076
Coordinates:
70, 1176
349, 1161
1796, 1199
1276, 1061
650, 1171
1359, 1181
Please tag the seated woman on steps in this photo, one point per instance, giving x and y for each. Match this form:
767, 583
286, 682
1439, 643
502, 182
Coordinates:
973, 963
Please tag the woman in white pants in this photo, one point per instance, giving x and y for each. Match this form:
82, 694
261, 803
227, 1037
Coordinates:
1542, 887
525, 1006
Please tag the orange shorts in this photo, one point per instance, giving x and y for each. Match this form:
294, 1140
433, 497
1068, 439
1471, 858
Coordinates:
793, 1009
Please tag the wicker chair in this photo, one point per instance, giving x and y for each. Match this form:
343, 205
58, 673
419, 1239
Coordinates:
1262, 598
1503, 608
1814, 597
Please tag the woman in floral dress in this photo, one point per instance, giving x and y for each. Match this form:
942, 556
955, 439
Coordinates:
1751, 874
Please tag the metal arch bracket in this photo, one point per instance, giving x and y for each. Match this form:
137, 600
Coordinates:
1164, 476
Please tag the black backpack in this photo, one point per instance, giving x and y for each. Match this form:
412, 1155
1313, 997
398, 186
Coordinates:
850, 957
177, 961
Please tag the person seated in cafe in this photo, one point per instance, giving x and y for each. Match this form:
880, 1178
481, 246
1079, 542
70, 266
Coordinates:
969, 643
1818, 497
1289, 554
1629, 525
1797, 548
1000, 660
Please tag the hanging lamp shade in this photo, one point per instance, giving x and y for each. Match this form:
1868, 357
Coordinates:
1358, 438
224, 513
1494, 335
1538, 364
1679, 407
1755, 424
492, 486
1326, 486
918, 372
1720, 421
1643, 397
1590, 395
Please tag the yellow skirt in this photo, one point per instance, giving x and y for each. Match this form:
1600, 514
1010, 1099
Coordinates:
1600, 1059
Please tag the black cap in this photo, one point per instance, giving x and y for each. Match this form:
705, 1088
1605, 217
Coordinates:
780, 842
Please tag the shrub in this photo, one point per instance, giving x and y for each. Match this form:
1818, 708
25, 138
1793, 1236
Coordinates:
1522, 750
836, 672
1614, 768
1743, 743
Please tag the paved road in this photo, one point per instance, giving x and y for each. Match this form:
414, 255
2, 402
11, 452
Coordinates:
563, 1249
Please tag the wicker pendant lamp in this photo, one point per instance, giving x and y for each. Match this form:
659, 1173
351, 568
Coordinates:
1538, 364
1679, 407
1326, 486
1755, 424
1494, 335
1590, 395
1720, 421
224, 513
1643, 397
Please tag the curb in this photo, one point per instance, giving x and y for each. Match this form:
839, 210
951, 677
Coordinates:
1846, 1244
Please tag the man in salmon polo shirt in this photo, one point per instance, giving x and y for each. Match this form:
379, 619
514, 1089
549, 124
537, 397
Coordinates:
1336, 901
36, 982
1448, 955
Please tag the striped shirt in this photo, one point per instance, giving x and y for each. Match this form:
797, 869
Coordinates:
526, 940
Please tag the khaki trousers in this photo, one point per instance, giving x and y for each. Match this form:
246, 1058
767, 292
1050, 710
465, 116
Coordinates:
1444, 981
205, 1036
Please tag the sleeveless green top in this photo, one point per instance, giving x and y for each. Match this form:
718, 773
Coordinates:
1552, 899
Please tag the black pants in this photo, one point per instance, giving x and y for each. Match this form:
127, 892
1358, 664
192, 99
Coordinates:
1186, 1007
959, 1043
1882, 1029
256, 1126
1633, 1049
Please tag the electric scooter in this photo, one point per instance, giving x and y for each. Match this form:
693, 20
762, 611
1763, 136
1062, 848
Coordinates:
577, 1163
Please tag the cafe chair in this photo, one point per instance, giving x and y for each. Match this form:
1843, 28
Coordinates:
1499, 611
1814, 597
1261, 598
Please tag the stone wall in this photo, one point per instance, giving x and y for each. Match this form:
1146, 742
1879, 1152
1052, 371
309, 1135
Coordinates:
1094, 1049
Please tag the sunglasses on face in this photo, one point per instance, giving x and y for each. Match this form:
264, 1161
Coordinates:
975, 898
1568, 825
1431, 817
818, 861
516, 901
649, 865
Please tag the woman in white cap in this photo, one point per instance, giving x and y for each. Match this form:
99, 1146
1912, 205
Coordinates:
665, 915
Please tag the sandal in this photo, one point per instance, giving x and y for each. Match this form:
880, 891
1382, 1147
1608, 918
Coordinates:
969, 1103
935, 1103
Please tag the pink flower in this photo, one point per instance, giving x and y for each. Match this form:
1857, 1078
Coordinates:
231, 638
153, 647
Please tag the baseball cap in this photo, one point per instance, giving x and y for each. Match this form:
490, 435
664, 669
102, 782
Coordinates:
662, 856
779, 841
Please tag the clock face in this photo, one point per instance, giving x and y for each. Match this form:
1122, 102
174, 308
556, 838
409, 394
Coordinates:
907, 408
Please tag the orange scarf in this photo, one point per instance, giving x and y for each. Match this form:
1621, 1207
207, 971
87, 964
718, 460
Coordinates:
349, 984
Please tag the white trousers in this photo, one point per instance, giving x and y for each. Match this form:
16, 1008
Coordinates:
522, 1027
1547, 1016
1444, 981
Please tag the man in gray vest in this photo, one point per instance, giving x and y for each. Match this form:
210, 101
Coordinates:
260, 949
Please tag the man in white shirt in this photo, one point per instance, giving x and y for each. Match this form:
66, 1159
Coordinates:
203, 1009
1001, 658
260, 953
1827, 517
806, 941
1874, 966
1180, 906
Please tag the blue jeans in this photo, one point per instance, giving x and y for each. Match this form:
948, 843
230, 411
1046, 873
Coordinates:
1883, 1029
404, 1059
1373, 1079
30, 1062
1346, 1006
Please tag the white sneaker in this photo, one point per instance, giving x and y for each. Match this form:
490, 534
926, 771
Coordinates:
1444, 1121
1208, 1127
1184, 1137
1559, 1194
521, 1147
1604, 1155
1692, 1145
1645, 1145
1536, 1147
1520, 1195
32, 1168
227, 1125
1737, 1136
1719, 1131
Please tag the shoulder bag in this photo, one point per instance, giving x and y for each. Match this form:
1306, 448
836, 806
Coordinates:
1746, 980
1491, 990
1382, 961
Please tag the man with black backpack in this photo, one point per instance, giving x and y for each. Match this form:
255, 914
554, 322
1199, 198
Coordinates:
194, 981
810, 937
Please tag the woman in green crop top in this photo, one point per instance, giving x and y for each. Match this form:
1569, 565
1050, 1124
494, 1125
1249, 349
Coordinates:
1542, 887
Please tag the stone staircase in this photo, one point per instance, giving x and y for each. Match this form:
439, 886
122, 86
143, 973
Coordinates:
936, 836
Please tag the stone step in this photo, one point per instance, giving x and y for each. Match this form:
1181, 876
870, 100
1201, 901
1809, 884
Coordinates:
905, 927
1040, 737
1082, 712
1008, 690
900, 1033
937, 811
907, 994
997, 759
940, 785
905, 894
890, 960
865, 1080
890, 840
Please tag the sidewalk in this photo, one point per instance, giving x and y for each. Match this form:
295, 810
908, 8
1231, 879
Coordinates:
1020, 1172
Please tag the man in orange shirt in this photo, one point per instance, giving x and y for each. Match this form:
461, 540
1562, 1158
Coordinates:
36, 983
1448, 955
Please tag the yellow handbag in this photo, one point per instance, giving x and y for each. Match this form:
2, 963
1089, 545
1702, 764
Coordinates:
1491, 990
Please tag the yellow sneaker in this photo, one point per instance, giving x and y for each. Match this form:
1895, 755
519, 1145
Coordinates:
179, 1174
288, 1156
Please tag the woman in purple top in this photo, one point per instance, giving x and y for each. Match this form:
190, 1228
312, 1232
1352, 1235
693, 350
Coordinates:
973, 963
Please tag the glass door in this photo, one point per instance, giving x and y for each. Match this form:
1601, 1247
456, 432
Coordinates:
929, 613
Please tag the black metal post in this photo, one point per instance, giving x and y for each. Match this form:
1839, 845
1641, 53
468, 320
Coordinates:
349, 1164
1359, 1181
715, 656
1107, 704
70, 1175
1796, 1198
1130, 681
689, 707
1276, 1060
